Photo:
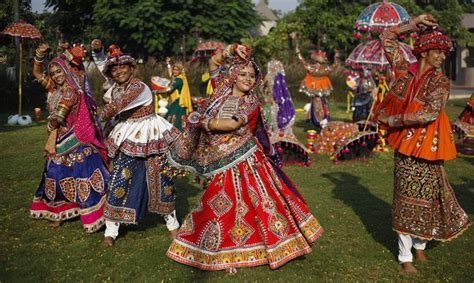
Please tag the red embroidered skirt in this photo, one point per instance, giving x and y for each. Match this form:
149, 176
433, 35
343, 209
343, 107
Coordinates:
246, 217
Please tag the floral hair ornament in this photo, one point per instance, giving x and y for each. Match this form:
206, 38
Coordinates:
116, 57
432, 38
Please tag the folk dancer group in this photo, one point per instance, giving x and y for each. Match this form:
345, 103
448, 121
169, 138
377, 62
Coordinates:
251, 213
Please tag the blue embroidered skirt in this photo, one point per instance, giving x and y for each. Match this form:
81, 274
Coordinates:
137, 186
74, 184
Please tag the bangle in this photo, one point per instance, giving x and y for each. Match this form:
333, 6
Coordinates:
216, 124
41, 80
38, 59
61, 113
205, 124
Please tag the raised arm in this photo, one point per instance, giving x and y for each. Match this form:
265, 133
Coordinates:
391, 44
98, 54
307, 66
38, 61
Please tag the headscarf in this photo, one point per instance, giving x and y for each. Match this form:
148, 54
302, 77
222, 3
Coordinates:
238, 63
85, 128
432, 38
185, 95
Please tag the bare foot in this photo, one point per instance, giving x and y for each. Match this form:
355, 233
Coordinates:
408, 268
231, 271
173, 233
108, 242
420, 255
55, 224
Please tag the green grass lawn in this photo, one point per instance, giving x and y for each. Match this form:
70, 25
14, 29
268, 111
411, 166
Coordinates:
352, 201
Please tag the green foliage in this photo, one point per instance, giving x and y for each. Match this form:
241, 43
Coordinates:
7, 12
275, 44
327, 24
449, 14
71, 18
163, 27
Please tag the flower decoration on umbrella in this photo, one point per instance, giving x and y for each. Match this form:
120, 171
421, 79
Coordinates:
370, 55
22, 30
204, 50
379, 16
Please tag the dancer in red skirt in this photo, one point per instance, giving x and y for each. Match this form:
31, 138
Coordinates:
250, 214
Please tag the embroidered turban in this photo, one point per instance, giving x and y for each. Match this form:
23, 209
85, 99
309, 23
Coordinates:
432, 39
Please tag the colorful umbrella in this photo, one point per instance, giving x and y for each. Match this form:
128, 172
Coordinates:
205, 49
379, 16
23, 30
370, 55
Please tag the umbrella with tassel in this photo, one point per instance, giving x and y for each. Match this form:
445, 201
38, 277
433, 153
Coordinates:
21, 30
379, 16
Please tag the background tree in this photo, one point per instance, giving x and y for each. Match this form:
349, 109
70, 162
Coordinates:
71, 19
157, 27
7, 12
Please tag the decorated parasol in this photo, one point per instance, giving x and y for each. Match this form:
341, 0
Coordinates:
204, 50
22, 30
379, 16
370, 55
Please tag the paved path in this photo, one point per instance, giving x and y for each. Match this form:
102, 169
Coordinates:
460, 92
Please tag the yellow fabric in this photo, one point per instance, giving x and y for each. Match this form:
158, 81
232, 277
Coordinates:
174, 95
350, 95
207, 78
185, 96
209, 88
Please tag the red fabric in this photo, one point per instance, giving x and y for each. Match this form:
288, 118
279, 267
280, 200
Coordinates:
247, 217
418, 141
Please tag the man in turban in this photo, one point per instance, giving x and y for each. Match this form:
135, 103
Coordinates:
418, 130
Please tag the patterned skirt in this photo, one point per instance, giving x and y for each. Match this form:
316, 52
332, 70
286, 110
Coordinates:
248, 216
424, 204
74, 184
319, 110
136, 186
176, 115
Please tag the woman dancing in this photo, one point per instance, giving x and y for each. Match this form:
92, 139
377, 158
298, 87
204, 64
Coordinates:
250, 214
